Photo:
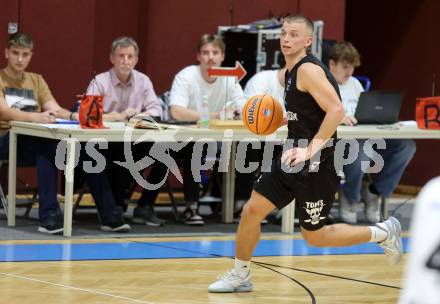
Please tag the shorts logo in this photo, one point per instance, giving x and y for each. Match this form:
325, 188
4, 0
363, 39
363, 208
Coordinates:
314, 210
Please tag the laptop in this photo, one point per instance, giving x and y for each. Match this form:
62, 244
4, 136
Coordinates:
378, 107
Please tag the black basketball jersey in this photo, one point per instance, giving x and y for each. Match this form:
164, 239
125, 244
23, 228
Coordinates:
303, 112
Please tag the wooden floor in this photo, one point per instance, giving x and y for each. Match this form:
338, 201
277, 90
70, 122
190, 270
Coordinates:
354, 278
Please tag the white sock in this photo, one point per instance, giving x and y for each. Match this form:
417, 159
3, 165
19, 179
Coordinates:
242, 267
377, 234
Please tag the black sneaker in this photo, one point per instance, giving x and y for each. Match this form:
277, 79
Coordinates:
52, 225
146, 215
116, 222
191, 217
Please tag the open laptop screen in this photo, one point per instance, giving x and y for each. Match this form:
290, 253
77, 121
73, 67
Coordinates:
378, 107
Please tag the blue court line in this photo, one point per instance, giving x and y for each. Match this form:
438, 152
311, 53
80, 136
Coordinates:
169, 250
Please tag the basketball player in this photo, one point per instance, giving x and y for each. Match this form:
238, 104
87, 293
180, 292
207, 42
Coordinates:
314, 111
422, 279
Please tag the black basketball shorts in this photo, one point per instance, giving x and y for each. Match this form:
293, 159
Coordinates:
314, 192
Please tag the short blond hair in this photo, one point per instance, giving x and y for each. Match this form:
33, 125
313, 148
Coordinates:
216, 40
300, 18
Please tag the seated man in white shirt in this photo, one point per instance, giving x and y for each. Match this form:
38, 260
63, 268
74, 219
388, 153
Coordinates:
192, 87
398, 153
192, 84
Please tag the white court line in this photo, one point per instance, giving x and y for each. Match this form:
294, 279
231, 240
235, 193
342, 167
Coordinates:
75, 288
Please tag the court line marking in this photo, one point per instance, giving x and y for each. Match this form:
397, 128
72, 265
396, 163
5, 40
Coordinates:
309, 292
75, 288
273, 265
327, 275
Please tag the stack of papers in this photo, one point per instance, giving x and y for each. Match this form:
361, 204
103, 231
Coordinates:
409, 123
148, 124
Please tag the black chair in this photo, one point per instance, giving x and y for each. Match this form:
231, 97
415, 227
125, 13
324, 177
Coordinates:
20, 203
365, 81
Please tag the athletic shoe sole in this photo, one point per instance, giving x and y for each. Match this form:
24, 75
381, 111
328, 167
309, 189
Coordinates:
55, 231
146, 222
123, 228
243, 288
194, 223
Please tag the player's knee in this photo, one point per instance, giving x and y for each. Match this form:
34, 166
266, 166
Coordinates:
249, 209
253, 212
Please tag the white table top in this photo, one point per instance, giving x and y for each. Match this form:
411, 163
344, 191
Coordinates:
117, 132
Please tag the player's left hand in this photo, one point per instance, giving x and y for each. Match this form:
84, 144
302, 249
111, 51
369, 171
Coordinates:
294, 156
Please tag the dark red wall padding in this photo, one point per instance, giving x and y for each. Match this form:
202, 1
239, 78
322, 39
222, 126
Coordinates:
399, 44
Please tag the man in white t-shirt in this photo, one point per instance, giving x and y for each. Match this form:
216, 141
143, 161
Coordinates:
193, 84
398, 152
422, 279
192, 87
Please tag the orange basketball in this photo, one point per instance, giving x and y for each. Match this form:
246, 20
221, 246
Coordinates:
262, 114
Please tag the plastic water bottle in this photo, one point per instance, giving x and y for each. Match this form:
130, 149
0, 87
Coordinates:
204, 115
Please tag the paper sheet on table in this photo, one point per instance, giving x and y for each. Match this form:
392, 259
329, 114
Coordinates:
409, 123
148, 124
59, 125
